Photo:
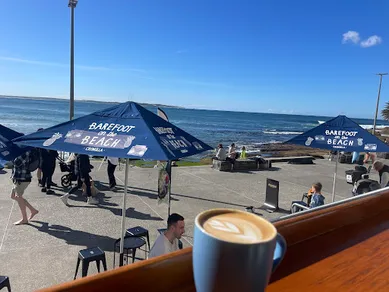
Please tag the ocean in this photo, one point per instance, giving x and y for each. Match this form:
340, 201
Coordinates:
26, 115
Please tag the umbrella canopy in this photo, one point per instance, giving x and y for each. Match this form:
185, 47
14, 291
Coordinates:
9, 150
340, 134
126, 130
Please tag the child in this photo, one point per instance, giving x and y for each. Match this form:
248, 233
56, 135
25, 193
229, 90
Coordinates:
243, 154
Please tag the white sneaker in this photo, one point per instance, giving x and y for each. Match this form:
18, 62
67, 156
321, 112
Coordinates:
92, 201
64, 199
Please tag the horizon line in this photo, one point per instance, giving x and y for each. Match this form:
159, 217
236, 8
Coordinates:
169, 106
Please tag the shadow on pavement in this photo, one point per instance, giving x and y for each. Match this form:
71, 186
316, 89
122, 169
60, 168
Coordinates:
75, 237
106, 205
209, 200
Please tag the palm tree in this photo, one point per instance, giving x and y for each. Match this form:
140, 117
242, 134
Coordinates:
385, 112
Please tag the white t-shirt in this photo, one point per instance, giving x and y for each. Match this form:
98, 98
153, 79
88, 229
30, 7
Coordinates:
221, 154
114, 160
162, 246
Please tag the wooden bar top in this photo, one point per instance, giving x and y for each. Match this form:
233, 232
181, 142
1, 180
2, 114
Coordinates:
358, 262
339, 247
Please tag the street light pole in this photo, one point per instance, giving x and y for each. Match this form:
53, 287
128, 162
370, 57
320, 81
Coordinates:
378, 100
72, 5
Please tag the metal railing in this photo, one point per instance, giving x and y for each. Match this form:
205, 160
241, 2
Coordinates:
330, 205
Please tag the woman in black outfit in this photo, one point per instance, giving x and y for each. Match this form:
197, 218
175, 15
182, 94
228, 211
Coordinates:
47, 165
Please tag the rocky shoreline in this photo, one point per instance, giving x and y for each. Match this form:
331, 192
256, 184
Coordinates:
283, 150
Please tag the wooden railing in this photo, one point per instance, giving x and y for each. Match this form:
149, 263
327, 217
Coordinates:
334, 247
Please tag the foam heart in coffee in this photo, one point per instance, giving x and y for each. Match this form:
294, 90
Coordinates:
239, 227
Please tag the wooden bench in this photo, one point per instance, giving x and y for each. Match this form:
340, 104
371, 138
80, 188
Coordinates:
240, 165
245, 164
342, 246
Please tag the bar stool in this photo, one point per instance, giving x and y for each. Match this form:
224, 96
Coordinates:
4, 282
94, 254
139, 231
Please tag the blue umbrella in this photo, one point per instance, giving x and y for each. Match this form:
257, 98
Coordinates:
9, 150
340, 134
126, 130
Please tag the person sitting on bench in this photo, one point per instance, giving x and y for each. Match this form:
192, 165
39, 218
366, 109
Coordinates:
220, 153
243, 153
315, 199
231, 153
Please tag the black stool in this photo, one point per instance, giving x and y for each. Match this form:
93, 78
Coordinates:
94, 254
162, 230
4, 282
139, 231
130, 243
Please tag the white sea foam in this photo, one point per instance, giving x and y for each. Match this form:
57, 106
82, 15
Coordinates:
282, 132
367, 127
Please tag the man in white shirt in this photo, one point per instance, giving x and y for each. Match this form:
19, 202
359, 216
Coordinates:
112, 163
168, 241
221, 153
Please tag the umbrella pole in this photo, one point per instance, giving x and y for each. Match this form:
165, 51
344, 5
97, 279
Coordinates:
121, 260
102, 162
170, 186
334, 182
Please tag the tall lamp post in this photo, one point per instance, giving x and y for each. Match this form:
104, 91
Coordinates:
378, 100
72, 5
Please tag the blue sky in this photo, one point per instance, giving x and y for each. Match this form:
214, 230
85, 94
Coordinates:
304, 57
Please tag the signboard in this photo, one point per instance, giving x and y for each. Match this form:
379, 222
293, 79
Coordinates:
164, 184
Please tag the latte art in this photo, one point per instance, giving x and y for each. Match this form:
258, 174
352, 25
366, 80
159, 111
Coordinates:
236, 227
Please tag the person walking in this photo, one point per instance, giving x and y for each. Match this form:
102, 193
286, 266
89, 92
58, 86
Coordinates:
82, 170
112, 163
47, 165
21, 178
39, 170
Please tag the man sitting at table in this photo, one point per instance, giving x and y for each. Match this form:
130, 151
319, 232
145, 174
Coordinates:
168, 241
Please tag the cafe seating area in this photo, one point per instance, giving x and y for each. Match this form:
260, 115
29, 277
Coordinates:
350, 235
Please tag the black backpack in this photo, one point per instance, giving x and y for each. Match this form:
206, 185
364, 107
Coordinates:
34, 160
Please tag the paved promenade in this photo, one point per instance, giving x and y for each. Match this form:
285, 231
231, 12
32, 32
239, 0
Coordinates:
44, 252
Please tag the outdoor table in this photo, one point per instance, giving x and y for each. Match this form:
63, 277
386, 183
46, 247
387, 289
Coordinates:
130, 243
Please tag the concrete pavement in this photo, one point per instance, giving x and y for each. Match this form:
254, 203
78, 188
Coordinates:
44, 252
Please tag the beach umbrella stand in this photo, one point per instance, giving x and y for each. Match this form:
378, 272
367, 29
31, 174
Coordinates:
339, 134
126, 130
335, 174
124, 209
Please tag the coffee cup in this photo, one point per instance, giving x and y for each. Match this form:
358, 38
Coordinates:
234, 250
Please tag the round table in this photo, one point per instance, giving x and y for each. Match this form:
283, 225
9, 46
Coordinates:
130, 243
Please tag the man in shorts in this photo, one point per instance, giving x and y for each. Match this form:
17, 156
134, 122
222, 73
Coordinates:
21, 178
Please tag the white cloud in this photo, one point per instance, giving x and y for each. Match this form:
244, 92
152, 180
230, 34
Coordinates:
351, 36
371, 41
